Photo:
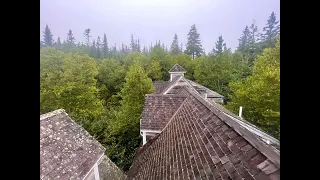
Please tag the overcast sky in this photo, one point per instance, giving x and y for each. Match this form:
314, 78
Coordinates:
151, 20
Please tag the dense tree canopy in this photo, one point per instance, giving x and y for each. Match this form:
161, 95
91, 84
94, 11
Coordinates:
259, 94
103, 86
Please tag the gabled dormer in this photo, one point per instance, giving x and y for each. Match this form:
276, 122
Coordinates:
176, 70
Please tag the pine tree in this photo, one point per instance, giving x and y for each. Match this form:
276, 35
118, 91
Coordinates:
175, 49
138, 46
132, 44
70, 38
58, 44
194, 47
244, 39
272, 29
253, 33
47, 36
93, 50
123, 50
87, 36
145, 51
105, 46
98, 48
181, 46
259, 94
220, 46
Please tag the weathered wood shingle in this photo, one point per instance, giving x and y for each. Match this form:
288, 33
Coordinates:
158, 109
67, 151
200, 143
160, 86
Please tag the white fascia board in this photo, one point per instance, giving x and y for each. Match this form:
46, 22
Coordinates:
150, 131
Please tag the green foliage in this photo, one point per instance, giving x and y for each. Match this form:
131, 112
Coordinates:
259, 94
187, 63
110, 80
165, 60
68, 81
125, 129
105, 92
194, 47
215, 72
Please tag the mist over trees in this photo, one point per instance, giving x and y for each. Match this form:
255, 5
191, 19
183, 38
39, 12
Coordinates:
102, 85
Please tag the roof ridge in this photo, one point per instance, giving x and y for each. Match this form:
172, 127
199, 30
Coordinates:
273, 154
165, 95
52, 113
175, 113
170, 84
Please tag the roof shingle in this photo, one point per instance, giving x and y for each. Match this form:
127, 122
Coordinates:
199, 142
160, 86
158, 109
67, 151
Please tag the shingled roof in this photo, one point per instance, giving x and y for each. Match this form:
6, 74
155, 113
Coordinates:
177, 68
160, 86
158, 110
201, 141
67, 151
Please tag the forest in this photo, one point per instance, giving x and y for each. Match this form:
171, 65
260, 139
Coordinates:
103, 86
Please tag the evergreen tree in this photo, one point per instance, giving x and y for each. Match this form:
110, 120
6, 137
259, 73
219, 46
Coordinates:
70, 38
105, 46
144, 50
123, 50
244, 39
271, 30
87, 36
47, 36
138, 46
175, 49
194, 47
259, 94
132, 44
98, 48
58, 44
93, 49
220, 46
181, 46
253, 33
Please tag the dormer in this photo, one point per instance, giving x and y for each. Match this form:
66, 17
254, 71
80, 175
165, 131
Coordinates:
176, 70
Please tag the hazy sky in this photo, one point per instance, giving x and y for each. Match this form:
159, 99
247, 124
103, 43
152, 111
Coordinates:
151, 20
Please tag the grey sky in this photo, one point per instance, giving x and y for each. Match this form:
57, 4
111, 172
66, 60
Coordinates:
151, 20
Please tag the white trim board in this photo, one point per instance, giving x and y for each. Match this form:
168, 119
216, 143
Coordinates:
151, 131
